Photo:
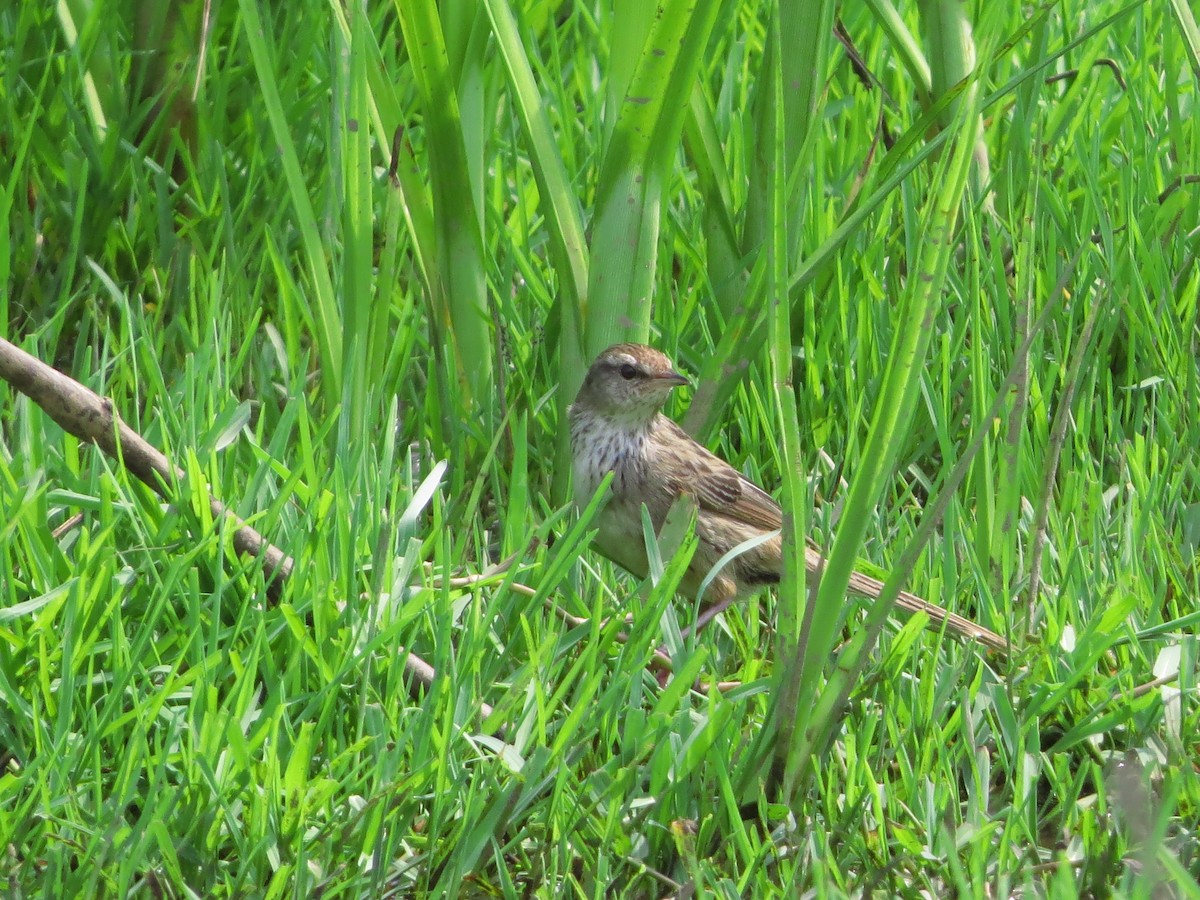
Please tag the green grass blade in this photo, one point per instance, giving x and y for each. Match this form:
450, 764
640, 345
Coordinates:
629, 193
802, 49
795, 614
818, 709
559, 203
461, 316
1185, 20
326, 320
364, 317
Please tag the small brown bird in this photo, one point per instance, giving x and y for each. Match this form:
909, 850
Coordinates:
617, 426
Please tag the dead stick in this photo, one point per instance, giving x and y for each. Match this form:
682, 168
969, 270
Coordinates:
90, 417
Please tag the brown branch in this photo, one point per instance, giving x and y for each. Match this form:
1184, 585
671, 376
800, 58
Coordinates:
1176, 185
1103, 62
91, 418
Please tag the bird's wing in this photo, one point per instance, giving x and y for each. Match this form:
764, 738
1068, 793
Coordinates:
717, 486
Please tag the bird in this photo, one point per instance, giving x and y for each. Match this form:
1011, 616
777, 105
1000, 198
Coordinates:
617, 425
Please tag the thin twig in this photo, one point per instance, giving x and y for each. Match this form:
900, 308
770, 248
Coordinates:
1103, 62
1058, 436
91, 418
1142, 689
73, 522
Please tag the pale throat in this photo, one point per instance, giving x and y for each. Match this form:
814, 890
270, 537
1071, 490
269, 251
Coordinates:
603, 443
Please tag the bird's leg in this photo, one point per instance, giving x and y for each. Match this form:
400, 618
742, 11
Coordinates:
722, 591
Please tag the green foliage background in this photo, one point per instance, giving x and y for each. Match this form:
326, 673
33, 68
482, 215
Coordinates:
934, 270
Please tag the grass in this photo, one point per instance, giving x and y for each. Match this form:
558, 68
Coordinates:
372, 367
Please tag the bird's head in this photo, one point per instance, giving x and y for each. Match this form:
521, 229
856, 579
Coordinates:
629, 383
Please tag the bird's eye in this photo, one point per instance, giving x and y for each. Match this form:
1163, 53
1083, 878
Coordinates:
628, 372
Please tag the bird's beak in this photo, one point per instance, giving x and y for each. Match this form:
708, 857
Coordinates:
674, 379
